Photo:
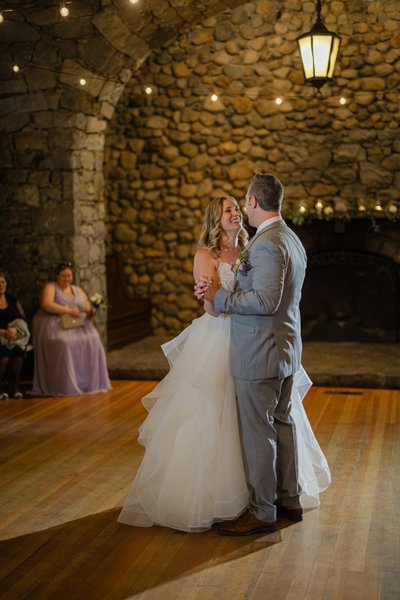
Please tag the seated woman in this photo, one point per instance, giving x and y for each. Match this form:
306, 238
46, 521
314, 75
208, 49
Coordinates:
68, 361
11, 352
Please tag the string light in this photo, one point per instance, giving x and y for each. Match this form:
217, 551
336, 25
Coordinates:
197, 92
302, 208
378, 205
319, 205
64, 11
278, 101
133, 1
203, 91
342, 101
1, 18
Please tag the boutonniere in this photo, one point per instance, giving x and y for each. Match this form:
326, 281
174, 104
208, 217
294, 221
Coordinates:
242, 265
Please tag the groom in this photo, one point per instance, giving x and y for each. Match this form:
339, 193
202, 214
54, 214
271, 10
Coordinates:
265, 353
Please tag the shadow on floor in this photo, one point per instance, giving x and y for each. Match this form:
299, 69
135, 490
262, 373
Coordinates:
96, 557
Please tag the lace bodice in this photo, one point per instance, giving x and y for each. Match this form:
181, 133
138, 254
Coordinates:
226, 276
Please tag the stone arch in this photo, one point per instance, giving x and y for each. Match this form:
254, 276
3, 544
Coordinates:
51, 147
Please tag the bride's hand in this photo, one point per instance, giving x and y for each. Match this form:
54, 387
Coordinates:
201, 286
205, 288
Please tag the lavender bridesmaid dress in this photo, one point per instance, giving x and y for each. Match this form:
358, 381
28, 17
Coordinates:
68, 362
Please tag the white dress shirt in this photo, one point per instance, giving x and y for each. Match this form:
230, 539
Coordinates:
267, 222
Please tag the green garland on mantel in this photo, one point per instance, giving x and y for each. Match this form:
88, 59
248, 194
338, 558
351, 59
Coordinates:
311, 215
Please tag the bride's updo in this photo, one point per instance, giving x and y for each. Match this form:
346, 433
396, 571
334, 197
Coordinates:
211, 232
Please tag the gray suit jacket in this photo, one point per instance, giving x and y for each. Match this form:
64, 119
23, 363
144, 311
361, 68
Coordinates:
265, 324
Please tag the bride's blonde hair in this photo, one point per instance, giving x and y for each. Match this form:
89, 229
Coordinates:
211, 231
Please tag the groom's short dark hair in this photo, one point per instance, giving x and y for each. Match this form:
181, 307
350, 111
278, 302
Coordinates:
268, 191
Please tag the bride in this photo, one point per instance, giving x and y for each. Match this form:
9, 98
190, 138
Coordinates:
192, 473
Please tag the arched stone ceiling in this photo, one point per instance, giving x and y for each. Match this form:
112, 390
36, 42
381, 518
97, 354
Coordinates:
103, 41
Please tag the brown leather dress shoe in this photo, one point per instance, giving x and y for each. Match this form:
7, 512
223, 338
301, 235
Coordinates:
246, 524
293, 514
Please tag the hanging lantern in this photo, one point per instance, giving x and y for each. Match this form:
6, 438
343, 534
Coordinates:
319, 50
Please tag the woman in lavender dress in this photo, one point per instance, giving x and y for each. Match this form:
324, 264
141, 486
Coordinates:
68, 362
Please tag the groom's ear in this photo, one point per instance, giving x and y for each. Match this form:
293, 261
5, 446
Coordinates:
253, 201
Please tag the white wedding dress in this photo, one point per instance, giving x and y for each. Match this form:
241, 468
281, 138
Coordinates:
192, 473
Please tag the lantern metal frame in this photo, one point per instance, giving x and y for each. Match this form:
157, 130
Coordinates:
317, 33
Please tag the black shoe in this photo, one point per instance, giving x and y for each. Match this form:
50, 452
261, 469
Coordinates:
293, 514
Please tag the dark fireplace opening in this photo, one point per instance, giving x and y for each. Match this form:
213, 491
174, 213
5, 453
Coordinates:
352, 297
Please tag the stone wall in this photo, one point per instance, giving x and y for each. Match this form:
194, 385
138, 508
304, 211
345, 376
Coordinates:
168, 153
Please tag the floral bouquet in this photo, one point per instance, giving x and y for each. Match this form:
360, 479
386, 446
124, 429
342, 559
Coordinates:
98, 301
242, 265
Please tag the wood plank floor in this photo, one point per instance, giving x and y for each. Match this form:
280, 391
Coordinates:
66, 465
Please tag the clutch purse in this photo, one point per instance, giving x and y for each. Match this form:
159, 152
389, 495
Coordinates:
70, 322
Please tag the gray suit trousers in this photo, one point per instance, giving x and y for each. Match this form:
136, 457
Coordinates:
268, 437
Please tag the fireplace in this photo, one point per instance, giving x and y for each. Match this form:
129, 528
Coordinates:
352, 288
350, 296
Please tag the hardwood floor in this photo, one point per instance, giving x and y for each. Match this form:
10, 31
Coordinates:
66, 465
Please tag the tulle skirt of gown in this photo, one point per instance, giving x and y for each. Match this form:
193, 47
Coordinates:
192, 473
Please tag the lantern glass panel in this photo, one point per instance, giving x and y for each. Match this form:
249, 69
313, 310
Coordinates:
321, 51
335, 50
306, 56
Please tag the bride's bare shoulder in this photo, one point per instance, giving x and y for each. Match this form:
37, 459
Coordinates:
204, 264
203, 257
